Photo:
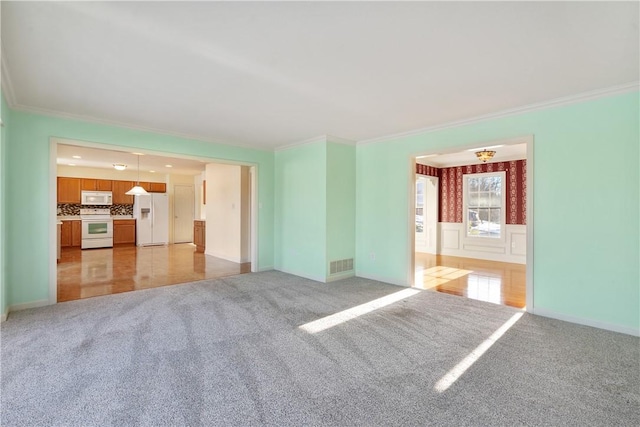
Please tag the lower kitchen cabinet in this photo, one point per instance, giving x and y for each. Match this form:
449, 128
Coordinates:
124, 232
71, 233
199, 233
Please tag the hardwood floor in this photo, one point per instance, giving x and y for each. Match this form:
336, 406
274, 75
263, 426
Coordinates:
497, 282
93, 272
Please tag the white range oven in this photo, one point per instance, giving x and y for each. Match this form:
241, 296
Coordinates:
97, 228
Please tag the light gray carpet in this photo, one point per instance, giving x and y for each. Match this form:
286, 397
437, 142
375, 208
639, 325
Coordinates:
229, 352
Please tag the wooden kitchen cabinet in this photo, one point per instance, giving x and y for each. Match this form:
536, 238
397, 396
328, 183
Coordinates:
71, 233
119, 189
199, 233
65, 234
157, 187
69, 190
124, 232
91, 184
154, 187
76, 233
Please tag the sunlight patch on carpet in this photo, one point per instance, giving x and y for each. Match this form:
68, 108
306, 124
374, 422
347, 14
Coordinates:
457, 371
354, 312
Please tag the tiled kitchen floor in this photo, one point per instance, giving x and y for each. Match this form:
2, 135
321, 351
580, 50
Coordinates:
92, 272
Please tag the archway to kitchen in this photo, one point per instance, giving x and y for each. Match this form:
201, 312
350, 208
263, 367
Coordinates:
140, 259
480, 244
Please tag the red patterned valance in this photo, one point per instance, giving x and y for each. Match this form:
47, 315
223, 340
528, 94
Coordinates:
427, 170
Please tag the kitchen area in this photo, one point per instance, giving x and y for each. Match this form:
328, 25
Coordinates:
97, 213
129, 221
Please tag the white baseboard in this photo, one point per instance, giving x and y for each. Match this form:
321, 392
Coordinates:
267, 268
27, 305
383, 279
587, 322
336, 277
317, 279
237, 260
3, 317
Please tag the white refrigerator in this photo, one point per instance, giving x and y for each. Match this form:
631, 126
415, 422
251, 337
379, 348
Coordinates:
152, 219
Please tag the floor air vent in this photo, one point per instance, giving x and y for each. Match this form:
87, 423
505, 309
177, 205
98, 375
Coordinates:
339, 266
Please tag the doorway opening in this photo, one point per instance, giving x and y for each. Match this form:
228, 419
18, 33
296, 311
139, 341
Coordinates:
473, 232
130, 265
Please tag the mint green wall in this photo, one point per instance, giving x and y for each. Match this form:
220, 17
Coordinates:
300, 210
28, 212
341, 202
586, 204
4, 114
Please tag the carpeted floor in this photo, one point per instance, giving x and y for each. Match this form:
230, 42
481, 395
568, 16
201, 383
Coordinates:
231, 352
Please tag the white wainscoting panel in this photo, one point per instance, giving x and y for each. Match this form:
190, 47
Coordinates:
450, 238
512, 249
518, 243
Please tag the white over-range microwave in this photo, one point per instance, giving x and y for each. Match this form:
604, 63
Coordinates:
97, 198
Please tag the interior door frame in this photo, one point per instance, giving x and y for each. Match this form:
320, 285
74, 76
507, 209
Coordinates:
53, 202
529, 139
427, 204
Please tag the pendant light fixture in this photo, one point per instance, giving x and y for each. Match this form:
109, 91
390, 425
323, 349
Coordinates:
137, 190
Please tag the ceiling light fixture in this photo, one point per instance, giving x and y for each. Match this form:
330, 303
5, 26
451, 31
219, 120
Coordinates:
76, 157
72, 164
137, 190
119, 166
485, 155
168, 166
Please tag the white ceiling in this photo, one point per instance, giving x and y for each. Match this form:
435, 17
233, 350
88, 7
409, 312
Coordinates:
515, 150
269, 74
105, 159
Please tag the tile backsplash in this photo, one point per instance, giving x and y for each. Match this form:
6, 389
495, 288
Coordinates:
68, 209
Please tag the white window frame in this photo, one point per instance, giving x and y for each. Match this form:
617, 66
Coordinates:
503, 207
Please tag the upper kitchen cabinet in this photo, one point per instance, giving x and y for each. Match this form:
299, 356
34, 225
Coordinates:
119, 189
69, 190
92, 184
157, 187
154, 187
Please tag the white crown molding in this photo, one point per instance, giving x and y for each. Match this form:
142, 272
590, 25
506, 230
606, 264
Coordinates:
558, 102
7, 85
338, 140
91, 119
320, 138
